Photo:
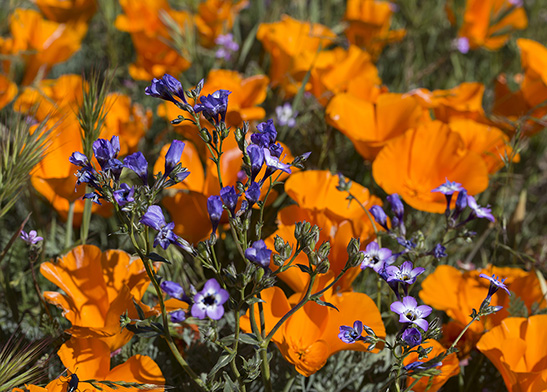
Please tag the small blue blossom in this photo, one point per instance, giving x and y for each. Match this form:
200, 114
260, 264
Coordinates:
138, 163
253, 193
178, 316
31, 238
406, 274
478, 211
79, 159
379, 216
209, 301
258, 253
214, 105
412, 337
154, 218
462, 44
256, 155
448, 188
105, 151
351, 335
407, 244
86, 175
495, 284
94, 197
172, 158
172, 289
229, 198
266, 134
165, 88
376, 257
418, 365
273, 164
398, 210
410, 312
124, 195
439, 251
227, 46
286, 115
214, 207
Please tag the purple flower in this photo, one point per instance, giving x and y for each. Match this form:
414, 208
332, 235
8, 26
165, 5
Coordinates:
172, 158
478, 211
410, 312
273, 163
229, 198
398, 210
439, 251
138, 163
412, 337
407, 244
208, 302
178, 316
164, 88
258, 253
405, 274
462, 44
417, 365
214, 207
78, 159
86, 175
154, 218
256, 155
495, 284
124, 195
94, 197
266, 134
173, 289
227, 46
105, 151
379, 216
376, 257
214, 105
461, 203
286, 115
448, 188
253, 193
351, 335
31, 237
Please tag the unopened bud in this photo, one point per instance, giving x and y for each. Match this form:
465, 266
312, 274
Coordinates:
205, 135
278, 260
279, 244
353, 246
323, 266
324, 250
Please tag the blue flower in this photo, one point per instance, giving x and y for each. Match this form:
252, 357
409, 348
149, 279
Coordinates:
105, 151
165, 88
417, 365
138, 163
154, 218
273, 164
449, 188
214, 105
351, 335
412, 337
495, 284
86, 175
79, 159
461, 201
31, 237
178, 316
172, 158
266, 135
173, 289
439, 251
258, 253
478, 211
214, 207
227, 46
124, 195
94, 197
209, 301
379, 216
398, 210
286, 115
406, 274
229, 198
376, 257
253, 193
410, 312
256, 155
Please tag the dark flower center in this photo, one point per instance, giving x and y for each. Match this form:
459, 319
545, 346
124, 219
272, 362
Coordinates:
209, 300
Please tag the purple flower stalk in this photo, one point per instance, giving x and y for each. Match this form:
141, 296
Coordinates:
376, 257
31, 238
172, 289
256, 155
209, 301
258, 253
417, 365
410, 312
351, 335
106, 151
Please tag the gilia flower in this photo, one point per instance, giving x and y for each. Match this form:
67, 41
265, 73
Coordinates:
31, 238
154, 218
410, 312
376, 257
259, 253
209, 301
98, 288
216, 17
516, 348
421, 159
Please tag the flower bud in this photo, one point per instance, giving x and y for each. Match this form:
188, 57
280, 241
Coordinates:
353, 246
323, 266
324, 250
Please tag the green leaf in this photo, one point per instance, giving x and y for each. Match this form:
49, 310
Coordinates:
156, 257
224, 360
304, 268
323, 303
248, 338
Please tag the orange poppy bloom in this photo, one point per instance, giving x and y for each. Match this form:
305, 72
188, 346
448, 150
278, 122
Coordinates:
288, 42
516, 347
369, 25
370, 125
423, 158
449, 368
99, 288
462, 101
216, 17
149, 34
8, 91
89, 359
50, 42
310, 336
489, 23
320, 203
63, 11
458, 293
488, 141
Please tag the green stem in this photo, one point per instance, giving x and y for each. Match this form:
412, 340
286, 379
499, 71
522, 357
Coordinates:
69, 223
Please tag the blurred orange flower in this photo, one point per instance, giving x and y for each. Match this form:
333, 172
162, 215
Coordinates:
489, 23
216, 17
155, 57
369, 125
458, 293
8, 91
449, 368
516, 347
63, 11
289, 42
89, 359
40, 42
415, 163
369, 25
310, 336
320, 203
98, 288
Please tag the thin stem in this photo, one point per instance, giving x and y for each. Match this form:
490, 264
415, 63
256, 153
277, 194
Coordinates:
70, 219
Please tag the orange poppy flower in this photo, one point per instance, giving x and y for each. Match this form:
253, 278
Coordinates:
449, 368
516, 347
489, 23
50, 42
150, 35
533, 58
320, 203
370, 125
423, 158
462, 101
89, 359
99, 288
369, 25
310, 336
63, 11
216, 17
458, 293
287, 42
488, 141
8, 91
